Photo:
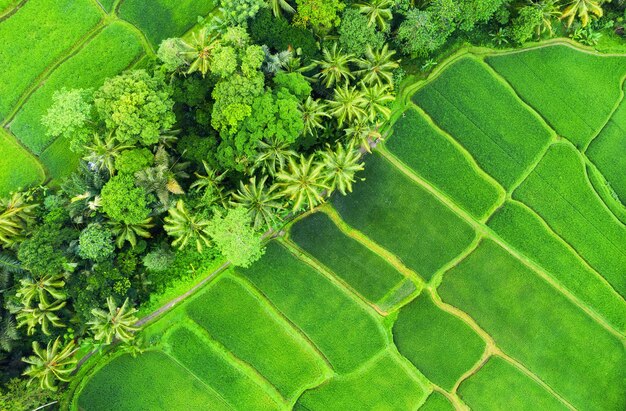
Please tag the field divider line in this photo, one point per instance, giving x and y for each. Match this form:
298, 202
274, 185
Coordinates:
561, 240
200, 380
437, 278
370, 244
9, 12
291, 328
244, 367
12, 139
343, 287
620, 101
588, 163
487, 231
144, 40
486, 355
384, 300
43, 76
97, 2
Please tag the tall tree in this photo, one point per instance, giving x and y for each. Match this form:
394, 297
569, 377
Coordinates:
303, 183
46, 288
115, 322
313, 113
363, 133
583, 9
50, 365
44, 314
130, 231
162, 178
378, 12
378, 65
340, 165
16, 215
273, 155
334, 66
377, 101
261, 202
101, 153
186, 227
348, 104
235, 238
199, 51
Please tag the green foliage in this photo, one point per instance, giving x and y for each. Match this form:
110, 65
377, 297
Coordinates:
355, 34
95, 243
526, 23
114, 323
136, 106
303, 183
68, 115
18, 395
131, 161
51, 364
159, 259
170, 53
235, 238
42, 253
473, 12
425, 31
237, 12
320, 15
186, 227
123, 201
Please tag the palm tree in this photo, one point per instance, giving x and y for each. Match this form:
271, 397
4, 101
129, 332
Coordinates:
51, 364
102, 153
115, 323
43, 315
334, 66
273, 155
278, 6
186, 227
313, 112
129, 232
275, 63
210, 185
377, 12
363, 133
348, 104
303, 183
582, 9
17, 214
46, 286
377, 99
377, 66
200, 51
340, 166
162, 178
261, 202
549, 11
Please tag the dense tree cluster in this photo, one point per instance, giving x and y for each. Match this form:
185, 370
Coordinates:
263, 112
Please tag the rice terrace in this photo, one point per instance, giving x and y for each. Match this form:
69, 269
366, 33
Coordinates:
473, 258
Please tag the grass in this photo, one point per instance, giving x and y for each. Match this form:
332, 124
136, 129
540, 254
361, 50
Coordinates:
21, 169
138, 389
107, 54
318, 307
6, 5
535, 324
522, 229
365, 271
107, 4
215, 369
603, 149
162, 19
383, 385
59, 160
424, 148
439, 344
34, 37
606, 193
559, 191
504, 139
245, 325
498, 385
437, 402
557, 81
404, 218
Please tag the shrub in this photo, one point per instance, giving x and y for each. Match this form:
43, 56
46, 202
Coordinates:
355, 34
279, 35
122, 201
95, 243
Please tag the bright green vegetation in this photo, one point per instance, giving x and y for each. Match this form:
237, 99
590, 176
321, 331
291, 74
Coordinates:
107, 4
138, 389
88, 68
489, 121
11, 155
559, 192
256, 333
404, 218
420, 145
162, 19
556, 82
499, 385
7, 5
364, 270
524, 230
535, 324
214, 368
439, 344
39, 33
58, 160
319, 307
605, 191
383, 384
437, 402
611, 140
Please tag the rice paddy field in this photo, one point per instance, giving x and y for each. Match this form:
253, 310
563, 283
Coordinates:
52, 44
481, 264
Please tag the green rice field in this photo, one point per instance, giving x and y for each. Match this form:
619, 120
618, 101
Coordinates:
479, 265
53, 44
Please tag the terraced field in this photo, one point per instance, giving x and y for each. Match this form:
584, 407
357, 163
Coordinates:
53, 44
481, 264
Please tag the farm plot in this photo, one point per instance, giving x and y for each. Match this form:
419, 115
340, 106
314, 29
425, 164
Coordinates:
161, 19
426, 149
555, 80
535, 324
425, 237
559, 192
87, 69
489, 121
18, 168
437, 402
362, 269
33, 38
602, 150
